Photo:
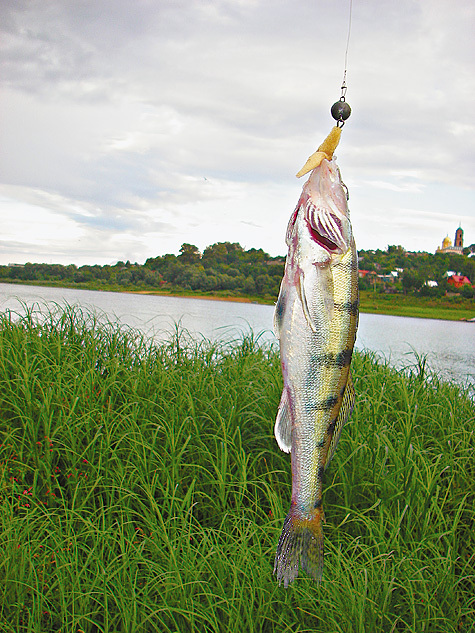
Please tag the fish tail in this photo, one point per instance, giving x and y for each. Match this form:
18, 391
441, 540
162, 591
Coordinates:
300, 544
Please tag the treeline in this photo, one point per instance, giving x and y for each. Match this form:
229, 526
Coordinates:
229, 269
224, 267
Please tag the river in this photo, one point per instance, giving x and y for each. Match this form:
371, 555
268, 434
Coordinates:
449, 346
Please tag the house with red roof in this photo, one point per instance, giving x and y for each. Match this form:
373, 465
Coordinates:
458, 281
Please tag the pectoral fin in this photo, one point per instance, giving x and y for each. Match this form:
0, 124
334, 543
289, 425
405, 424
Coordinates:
321, 278
283, 424
303, 301
345, 411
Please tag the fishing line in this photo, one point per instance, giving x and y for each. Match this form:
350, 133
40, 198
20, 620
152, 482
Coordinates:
340, 110
343, 84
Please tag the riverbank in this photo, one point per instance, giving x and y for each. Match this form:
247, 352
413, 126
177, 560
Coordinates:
127, 507
454, 308
445, 308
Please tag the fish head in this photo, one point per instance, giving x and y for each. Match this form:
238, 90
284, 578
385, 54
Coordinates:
324, 199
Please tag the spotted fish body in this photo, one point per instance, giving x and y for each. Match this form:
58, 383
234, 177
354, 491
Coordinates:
315, 320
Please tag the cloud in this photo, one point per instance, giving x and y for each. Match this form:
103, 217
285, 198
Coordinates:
137, 121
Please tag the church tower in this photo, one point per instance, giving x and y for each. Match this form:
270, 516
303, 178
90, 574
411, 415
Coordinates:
459, 238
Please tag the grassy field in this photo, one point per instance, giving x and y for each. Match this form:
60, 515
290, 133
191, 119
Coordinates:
141, 490
446, 308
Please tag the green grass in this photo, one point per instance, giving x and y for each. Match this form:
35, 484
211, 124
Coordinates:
452, 308
141, 490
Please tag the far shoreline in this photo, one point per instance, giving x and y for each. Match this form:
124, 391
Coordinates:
229, 299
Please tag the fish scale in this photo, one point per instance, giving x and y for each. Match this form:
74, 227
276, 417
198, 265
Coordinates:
315, 320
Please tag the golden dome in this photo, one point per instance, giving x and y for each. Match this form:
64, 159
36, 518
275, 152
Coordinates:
446, 242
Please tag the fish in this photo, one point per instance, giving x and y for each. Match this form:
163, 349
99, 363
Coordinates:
315, 321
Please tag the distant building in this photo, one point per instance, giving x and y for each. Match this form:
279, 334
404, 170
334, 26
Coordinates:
447, 246
370, 274
389, 278
458, 281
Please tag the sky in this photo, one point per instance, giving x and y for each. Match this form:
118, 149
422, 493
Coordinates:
129, 127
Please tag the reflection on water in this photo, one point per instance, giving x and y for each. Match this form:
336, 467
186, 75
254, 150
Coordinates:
448, 345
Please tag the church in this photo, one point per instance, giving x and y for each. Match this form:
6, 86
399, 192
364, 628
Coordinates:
457, 247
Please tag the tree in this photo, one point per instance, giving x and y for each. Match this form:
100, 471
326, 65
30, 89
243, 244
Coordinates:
411, 281
467, 291
215, 254
189, 254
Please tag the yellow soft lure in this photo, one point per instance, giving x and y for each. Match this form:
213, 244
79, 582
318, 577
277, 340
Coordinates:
325, 150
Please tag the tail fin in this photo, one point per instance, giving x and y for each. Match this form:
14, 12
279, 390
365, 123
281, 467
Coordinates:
300, 544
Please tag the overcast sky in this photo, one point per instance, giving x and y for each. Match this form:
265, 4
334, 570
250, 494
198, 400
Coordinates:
131, 126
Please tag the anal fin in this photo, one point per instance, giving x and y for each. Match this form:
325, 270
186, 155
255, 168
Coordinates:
345, 411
